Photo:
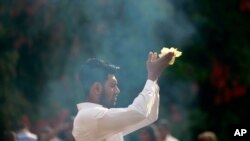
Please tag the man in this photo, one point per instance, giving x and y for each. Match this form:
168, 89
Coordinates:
97, 120
164, 133
23, 131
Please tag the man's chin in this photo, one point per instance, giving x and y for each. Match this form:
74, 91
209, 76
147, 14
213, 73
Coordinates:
113, 105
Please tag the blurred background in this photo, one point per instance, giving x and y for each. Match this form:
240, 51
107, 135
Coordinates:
44, 42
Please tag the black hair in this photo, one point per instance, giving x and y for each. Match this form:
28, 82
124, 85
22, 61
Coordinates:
95, 70
163, 123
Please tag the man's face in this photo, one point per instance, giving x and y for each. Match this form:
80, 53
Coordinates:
144, 135
162, 132
110, 92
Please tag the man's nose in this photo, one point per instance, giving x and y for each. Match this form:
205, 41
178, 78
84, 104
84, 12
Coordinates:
117, 90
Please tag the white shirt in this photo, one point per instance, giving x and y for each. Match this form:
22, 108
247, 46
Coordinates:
97, 123
170, 138
25, 135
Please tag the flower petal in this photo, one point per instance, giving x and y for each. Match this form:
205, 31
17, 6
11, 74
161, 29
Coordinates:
166, 50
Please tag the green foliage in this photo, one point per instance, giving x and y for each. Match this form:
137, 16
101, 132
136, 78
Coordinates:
223, 29
12, 103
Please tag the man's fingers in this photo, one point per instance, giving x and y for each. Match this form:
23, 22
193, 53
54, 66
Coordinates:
150, 54
154, 56
167, 58
170, 55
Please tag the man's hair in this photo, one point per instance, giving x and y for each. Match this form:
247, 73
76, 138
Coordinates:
95, 70
163, 123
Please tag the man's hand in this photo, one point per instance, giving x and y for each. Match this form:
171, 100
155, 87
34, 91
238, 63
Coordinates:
155, 66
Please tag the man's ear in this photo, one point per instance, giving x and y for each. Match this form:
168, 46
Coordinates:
95, 92
97, 88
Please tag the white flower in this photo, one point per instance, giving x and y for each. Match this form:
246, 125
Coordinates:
166, 50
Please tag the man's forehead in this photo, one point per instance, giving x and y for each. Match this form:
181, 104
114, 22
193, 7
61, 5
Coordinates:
111, 77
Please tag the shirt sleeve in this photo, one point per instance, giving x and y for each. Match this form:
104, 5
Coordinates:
153, 115
143, 111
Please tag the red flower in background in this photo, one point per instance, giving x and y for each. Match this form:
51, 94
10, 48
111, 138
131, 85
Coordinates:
238, 89
227, 88
176, 115
244, 5
219, 75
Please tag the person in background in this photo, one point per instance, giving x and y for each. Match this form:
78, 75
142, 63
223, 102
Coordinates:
147, 134
164, 133
23, 131
52, 134
66, 135
207, 136
97, 119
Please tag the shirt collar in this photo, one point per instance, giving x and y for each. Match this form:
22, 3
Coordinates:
87, 105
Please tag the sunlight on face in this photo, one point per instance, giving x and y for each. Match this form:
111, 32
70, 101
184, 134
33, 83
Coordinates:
111, 92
